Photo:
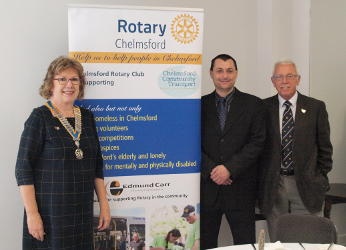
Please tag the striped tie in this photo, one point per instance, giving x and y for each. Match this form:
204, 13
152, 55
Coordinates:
287, 140
222, 111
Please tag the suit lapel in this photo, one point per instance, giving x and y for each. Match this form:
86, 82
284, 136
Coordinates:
275, 118
300, 115
235, 111
300, 119
212, 112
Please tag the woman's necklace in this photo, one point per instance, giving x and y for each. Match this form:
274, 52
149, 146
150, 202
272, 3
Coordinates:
76, 132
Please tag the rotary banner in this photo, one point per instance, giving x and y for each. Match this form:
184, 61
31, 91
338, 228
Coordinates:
143, 84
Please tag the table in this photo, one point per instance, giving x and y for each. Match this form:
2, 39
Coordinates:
335, 195
293, 246
284, 246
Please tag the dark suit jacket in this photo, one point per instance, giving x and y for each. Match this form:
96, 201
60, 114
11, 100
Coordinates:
237, 147
312, 153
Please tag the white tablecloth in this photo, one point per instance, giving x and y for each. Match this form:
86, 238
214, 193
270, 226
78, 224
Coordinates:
284, 246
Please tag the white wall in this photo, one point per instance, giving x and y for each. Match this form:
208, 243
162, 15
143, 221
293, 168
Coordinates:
34, 32
328, 83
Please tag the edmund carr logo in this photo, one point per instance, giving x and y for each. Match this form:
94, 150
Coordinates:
114, 188
185, 28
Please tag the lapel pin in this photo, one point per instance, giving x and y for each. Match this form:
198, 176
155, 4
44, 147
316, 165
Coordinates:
303, 111
56, 128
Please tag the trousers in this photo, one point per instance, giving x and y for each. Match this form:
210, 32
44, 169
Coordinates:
287, 201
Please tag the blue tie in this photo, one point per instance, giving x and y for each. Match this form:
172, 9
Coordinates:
222, 111
287, 140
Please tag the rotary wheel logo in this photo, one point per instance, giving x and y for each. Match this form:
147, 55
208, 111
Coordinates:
185, 28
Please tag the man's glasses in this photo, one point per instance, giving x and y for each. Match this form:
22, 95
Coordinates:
280, 78
64, 81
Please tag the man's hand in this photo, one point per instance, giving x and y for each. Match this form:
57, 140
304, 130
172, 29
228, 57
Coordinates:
220, 175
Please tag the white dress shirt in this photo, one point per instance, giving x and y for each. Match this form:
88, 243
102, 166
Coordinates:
282, 107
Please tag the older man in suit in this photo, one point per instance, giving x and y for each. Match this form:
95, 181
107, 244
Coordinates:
298, 151
233, 135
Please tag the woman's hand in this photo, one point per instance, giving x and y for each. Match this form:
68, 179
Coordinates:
33, 217
35, 226
105, 217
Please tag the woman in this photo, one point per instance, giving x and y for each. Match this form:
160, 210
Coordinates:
59, 165
169, 242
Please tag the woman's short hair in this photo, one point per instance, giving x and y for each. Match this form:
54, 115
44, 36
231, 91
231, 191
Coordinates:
57, 66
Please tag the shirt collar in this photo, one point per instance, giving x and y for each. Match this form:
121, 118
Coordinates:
293, 100
227, 97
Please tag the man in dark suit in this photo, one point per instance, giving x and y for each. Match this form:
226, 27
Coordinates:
295, 170
233, 134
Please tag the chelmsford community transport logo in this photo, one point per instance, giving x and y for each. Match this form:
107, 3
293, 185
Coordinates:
179, 81
185, 28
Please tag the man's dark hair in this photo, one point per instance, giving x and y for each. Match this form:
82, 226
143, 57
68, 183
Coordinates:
223, 57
